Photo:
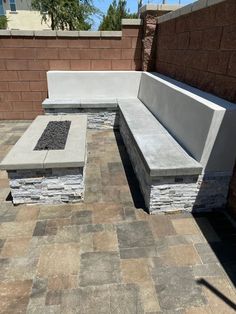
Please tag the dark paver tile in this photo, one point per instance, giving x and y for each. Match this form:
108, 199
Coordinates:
138, 252
176, 288
91, 228
2, 241
4, 265
135, 234
115, 167
53, 297
125, 299
40, 228
87, 300
129, 213
8, 214
98, 268
39, 287
82, 217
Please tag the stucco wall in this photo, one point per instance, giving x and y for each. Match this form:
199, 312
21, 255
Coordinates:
26, 20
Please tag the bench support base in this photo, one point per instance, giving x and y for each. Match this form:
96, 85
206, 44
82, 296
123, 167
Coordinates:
47, 186
189, 193
99, 119
176, 193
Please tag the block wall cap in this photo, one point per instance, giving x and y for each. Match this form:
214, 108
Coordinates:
5, 32
19, 32
63, 34
111, 34
89, 33
67, 33
132, 21
46, 33
195, 6
159, 7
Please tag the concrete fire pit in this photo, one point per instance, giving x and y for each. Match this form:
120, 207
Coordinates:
48, 175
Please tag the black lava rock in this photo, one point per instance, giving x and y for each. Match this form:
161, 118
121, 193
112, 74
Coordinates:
54, 136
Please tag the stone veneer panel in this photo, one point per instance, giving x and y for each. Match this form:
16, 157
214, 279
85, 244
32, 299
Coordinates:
47, 186
99, 119
189, 193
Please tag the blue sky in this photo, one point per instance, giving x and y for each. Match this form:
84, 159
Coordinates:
132, 5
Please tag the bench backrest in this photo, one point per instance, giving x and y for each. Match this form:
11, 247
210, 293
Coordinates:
201, 123
72, 85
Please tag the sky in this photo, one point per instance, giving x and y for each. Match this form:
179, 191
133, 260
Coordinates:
132, 5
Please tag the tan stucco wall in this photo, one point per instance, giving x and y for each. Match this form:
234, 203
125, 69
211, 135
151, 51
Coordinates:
25, 20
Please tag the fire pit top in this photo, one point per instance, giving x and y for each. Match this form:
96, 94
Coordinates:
23, 155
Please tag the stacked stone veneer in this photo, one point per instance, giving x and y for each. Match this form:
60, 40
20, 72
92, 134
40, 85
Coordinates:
176, 193
99, 119
47, 186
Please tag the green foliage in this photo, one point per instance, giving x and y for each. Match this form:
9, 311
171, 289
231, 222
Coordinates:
66, 14
115, 13
3, 22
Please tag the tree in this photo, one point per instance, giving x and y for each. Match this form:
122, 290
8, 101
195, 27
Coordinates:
3, 22
66, 14
140, 3
115, 13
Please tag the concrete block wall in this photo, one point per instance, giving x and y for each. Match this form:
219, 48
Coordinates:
26, 56
197, 44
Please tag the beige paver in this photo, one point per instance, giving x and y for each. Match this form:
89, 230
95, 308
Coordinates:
185, 226
59, 259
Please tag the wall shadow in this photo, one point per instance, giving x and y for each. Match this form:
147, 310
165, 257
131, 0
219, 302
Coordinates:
136, 193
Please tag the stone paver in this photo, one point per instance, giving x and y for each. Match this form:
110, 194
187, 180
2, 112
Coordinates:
107, 255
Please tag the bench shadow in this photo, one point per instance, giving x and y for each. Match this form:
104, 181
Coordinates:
133, 183
222, 242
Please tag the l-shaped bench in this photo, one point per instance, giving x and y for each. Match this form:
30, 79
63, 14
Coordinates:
179, 139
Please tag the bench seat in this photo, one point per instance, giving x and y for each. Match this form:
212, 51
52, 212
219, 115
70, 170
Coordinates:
79, 103
161, 154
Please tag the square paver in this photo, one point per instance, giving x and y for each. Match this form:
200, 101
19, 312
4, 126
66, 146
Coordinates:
135, 271
134, 234
105, 241
176, 288
63, 258
98, 268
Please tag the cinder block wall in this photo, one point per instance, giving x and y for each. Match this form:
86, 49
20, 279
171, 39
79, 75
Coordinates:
199, 47
24, 61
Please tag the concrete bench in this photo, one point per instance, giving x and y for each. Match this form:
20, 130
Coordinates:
48, 176
177, 137
94, 93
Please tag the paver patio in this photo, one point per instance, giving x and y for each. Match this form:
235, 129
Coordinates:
107, 255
